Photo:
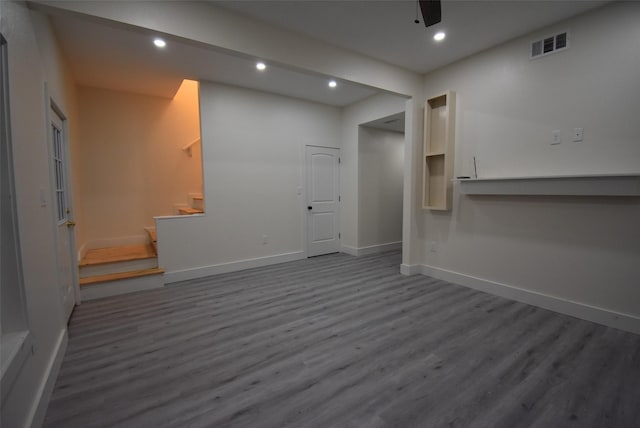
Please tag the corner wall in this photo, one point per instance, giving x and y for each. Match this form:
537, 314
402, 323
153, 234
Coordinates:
29, 69
253, 154
580, 251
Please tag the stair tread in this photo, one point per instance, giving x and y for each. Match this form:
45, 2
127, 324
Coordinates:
101, 256
120, 275
190, 211
197, 198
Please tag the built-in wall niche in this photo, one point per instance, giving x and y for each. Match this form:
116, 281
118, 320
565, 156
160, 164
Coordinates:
438, 151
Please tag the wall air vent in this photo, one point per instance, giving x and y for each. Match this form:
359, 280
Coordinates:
549, 45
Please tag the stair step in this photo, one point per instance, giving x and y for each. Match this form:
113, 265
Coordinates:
101, 256
116, 267
120, 275
190, 211
197, 198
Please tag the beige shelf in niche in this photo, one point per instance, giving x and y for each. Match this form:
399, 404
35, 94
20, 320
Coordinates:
438, 151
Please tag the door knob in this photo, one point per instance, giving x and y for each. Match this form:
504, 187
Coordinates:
309, 207
71, 223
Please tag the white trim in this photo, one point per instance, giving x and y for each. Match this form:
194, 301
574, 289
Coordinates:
16, 348
410, 269
371, 249
199, 272
43, 395
583, 311
353, 251
380, 248
121, 241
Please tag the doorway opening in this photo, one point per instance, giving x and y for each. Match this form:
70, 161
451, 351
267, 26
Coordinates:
381, 145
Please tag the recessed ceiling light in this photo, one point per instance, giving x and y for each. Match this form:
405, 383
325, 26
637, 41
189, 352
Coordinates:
439, 36
332, 84
159, 42
261, 66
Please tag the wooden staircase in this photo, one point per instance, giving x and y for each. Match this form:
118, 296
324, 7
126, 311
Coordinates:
117, 270
196, 205
190, 211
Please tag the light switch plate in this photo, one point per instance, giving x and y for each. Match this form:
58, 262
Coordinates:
578, 135
43, 197
555, 137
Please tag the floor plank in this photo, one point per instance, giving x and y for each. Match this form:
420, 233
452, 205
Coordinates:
339, 341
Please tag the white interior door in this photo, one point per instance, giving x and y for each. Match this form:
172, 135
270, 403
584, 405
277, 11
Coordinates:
64, 227
322, 190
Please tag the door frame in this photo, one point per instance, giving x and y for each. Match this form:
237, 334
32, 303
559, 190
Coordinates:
52, 106
303, 206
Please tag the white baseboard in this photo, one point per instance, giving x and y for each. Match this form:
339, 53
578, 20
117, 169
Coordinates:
410, 269
121, 286
121, 241
583, 311
199, 272
39, 408
371, 249
352, 251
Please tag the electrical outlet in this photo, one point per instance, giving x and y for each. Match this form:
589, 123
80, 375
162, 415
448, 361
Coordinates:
555, 137
433, 246
265, 239
578, 135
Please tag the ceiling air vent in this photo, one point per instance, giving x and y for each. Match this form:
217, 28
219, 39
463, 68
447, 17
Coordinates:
549, 45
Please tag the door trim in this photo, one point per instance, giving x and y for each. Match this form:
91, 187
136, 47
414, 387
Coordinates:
52, 105
303, 203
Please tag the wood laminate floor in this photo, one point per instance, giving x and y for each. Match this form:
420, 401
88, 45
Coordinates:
339, 341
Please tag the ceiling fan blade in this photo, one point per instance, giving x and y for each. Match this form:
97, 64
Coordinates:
431, 12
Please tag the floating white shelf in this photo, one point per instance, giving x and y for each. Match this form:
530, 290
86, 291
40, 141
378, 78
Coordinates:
577, 185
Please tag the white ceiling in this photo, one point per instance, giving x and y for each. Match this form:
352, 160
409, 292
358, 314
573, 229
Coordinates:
384, 29
120, 57
124, 58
